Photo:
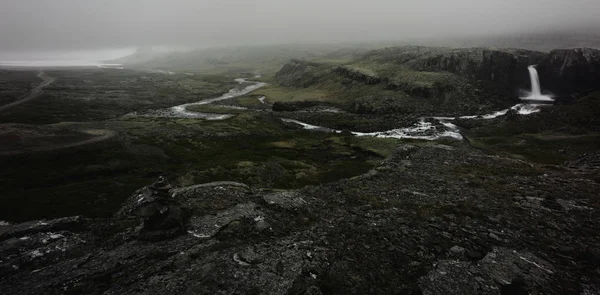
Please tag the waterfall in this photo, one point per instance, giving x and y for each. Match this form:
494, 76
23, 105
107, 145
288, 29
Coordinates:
536, 92
535, 81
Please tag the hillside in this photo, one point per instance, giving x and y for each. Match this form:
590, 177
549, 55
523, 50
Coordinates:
424, 80
375, 197
264, 60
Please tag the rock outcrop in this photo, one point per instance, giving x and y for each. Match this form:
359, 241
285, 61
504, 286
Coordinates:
160, 214
431, 80
570, 72
506, 67
502, 271
428, 220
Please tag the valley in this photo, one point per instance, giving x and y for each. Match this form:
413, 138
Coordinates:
409, 169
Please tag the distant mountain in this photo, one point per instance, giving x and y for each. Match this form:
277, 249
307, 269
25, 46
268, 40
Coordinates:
261, 59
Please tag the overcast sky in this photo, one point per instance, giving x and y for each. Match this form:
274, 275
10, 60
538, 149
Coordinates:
68, 24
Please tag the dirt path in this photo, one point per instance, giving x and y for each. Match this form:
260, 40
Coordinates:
35, 92
100, 135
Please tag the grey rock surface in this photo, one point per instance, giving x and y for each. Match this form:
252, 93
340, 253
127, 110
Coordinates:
442, 224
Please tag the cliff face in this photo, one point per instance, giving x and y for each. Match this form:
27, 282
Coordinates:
506, 69
503, 67
449, 81
571, 72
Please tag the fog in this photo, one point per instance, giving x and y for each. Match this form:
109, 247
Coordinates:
27, 25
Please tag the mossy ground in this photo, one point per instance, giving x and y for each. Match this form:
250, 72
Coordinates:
251, 147
552, 136
94, 95
275, 93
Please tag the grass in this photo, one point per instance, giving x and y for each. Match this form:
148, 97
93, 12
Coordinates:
94, 95
552, 136
365, 70
290, 144
383, 147
275, 93
250, 101
546, 149
252, 147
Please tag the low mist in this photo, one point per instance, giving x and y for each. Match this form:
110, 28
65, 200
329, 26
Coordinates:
32, 25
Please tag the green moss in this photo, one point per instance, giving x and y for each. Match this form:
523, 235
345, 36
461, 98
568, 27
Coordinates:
252, 148
275, 93
383, 147
250, 101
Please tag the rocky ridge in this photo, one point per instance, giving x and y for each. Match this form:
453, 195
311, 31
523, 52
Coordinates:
434, 80
431, 219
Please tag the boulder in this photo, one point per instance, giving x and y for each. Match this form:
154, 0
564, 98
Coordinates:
162, 216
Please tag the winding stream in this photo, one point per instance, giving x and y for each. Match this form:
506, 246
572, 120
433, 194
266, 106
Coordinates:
181, 111
427, 128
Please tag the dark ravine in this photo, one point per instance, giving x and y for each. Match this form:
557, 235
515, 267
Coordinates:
423, 222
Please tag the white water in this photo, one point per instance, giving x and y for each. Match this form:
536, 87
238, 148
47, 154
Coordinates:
536, 91
424, 129
427, 130
432, 128
181, 111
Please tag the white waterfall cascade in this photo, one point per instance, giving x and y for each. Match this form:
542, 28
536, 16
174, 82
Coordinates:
536, 92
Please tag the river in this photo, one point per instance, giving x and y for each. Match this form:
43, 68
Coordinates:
427, 128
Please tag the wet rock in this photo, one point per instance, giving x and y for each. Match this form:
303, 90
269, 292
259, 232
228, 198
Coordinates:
456, 251
23, 229
382, 234
285, 199
162, 216
209, 198
144, 201
501, 269
209, 225
587, 161
495, 237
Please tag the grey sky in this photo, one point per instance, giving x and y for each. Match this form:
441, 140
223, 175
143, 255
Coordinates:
50, 24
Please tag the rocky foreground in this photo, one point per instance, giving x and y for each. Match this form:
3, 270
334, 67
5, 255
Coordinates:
431, 219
